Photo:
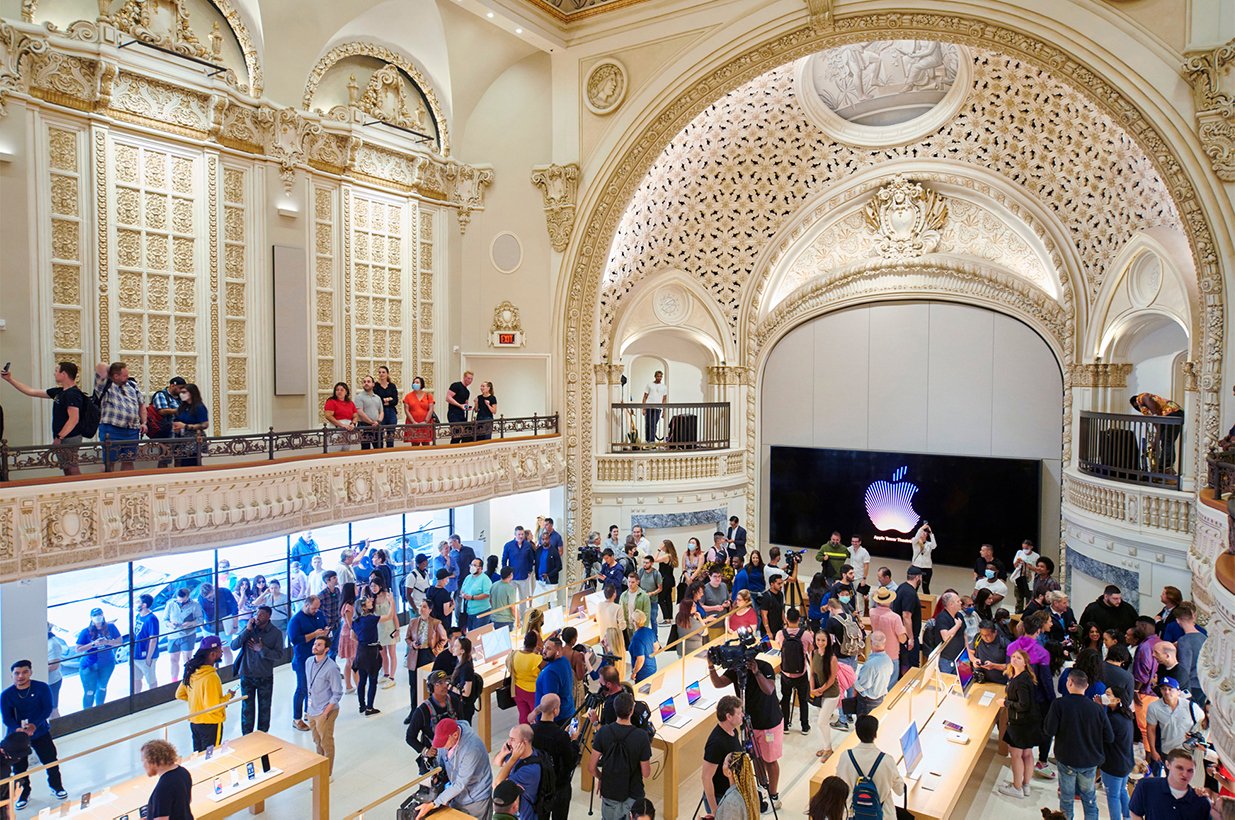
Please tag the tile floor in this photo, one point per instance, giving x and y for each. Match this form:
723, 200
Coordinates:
372, 757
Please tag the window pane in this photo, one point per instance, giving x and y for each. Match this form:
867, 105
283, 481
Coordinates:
242, 556
377, 529
97, 672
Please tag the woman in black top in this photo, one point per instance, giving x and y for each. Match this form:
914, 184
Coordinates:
173, 794
368, 663
982, 606
666, 560
1024, 730
461, 678
388, 392
486, 403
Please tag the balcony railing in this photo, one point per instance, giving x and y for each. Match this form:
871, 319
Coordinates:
1221, 472
17, 462
1145, 450
695, 426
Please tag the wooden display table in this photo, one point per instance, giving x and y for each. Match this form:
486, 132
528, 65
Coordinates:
293, 764
946, 766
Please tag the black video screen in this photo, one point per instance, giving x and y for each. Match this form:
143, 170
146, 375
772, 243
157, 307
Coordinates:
884, 498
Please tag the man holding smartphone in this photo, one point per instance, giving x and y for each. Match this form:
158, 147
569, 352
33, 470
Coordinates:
26, 706
68, 405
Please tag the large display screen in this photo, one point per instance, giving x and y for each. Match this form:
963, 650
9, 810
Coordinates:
884, 498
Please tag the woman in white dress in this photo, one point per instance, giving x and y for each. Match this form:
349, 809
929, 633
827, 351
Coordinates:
922, 546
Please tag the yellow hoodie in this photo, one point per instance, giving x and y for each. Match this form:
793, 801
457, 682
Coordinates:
204, 690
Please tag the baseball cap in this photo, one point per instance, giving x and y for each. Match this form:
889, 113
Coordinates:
436, 677
913, 571
177, 380
445, 728
883, 595
96, 611
443, 573
506, 793
211, 642
1167, 680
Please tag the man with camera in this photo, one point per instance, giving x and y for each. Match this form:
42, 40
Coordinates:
465, 761
610, 688
429, 714
762, 705
621, 759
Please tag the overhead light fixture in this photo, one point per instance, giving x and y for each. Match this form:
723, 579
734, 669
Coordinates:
489, 15
518, 31
6, 155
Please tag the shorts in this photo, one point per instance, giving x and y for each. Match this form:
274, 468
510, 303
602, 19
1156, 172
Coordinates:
143, 669
66, 453
184, 642
770, 743
112, 452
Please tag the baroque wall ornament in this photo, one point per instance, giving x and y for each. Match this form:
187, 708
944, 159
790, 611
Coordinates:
906, 218
605, 87
15, 45
1095, 106
1101, 375
1214, 94
559, 185
287, 133
361, 48
385, 97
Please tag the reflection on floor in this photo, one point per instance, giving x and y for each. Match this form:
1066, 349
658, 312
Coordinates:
372, 757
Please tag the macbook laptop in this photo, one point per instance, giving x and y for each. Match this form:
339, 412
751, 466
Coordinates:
669, 715
695, 698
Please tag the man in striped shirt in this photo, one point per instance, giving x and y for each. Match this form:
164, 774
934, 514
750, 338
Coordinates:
122, 414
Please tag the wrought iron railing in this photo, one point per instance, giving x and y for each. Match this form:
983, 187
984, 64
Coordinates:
193, 451
1145, 450
681, 426
1221, 472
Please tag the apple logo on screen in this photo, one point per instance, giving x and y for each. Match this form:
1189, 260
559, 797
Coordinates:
890, 504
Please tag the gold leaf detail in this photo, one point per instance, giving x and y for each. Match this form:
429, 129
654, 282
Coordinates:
64, 235
62, 149
64, 195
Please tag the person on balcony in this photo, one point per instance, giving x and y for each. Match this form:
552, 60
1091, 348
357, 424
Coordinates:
486, 404
1148, 404
418, 405
388, 392
369, 414
458, 406
68, 404
655, 393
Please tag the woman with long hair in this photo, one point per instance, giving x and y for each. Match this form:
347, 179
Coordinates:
741, 800
1119, 761
1089, 636
1024, 730
340, 410
690, 619
815, 592
1088, 661
190, 421
347, 638
244, 602
667, 560
462, 678
831, 802
201, 687
920, 550
425, 638
744, 612
982, 605
388, 628
692, 563
751, 576
368, 663
523, 665
824, 686
486, 404
611, 622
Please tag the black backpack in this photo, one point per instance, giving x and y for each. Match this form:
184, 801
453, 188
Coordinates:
548, 783
641, 718
91, 414
793, 653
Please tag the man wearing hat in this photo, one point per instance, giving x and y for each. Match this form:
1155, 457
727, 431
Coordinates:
202, 689
506, 796
165, 404
891, 624
25, 707
441, 704
1169, 720
908, 606
469, 778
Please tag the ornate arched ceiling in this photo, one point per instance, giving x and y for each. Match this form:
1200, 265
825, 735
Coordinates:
733, 177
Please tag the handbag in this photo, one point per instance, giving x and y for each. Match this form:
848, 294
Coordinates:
505, 700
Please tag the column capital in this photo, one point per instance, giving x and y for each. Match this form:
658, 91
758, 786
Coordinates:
728, 374
608, 373
1100, 374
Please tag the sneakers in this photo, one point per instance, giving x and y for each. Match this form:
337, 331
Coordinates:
806, 730
300, 725
388, 683
1043, 771
372, 711
61, 794
776, 801
1026, 790
24, 800
1008, 790
840, 725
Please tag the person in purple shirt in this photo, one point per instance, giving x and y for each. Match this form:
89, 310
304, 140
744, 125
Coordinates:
26, 706
519, 555
1144, 665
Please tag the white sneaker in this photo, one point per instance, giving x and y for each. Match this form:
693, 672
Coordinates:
1008, 790
1026, 790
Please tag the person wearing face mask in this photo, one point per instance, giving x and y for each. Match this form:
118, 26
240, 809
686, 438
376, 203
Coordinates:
843, 589
190, 422
418, 405
475, 594
990, 580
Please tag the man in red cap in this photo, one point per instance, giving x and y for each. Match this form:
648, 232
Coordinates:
469, 778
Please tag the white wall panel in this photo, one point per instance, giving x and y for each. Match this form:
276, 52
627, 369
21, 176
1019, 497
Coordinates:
787, 404
1027, 385
959, 399
841, 383
899, 363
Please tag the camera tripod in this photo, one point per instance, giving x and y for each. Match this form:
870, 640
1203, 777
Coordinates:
747, 734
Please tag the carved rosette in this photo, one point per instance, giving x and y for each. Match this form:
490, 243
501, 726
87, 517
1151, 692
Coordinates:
559, 184
1100, 375
906, 218
1215, 106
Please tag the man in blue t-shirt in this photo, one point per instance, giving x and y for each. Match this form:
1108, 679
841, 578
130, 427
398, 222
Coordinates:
555, 537
304, 627
519, 555
145, 644
26, 706
558, 677
519, 763
1171, 796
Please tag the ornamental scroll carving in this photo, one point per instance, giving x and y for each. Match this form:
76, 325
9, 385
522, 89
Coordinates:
386, 98
1215, 106
506, 317
147, 21
907, 218
1100, 375
559, 184
467, 189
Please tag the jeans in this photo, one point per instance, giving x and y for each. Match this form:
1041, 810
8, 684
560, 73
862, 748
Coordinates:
858, 705
1117, 800
650, 419
475, 621
94, 684
800, 685
205, 735
258, 692
390, 418
1072, 781
301, 697
616, 810
926, 582
852, 663
42, 746
370, 436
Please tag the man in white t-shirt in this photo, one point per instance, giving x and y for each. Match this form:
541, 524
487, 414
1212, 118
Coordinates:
859, 559
1023, 568
655, 393
990, 580
641, 540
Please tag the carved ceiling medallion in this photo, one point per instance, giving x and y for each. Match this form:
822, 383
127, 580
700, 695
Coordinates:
906, 217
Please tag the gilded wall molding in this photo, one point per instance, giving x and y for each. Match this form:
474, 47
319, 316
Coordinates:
58, 526
559, 185
579, 339
1100, 375
1214, 97
360, 48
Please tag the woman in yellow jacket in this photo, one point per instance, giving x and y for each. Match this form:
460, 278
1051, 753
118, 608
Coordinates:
201, 687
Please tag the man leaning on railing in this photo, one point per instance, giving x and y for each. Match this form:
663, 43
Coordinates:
1148, 404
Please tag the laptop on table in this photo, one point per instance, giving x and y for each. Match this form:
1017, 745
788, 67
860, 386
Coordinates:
669, 715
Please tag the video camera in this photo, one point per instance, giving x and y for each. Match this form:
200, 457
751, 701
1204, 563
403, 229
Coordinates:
736, 652
793, 558
589, 555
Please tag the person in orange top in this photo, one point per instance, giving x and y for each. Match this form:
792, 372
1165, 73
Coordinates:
419, 406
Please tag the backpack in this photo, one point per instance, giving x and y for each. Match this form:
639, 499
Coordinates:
854, 641
641, 718
865, 803
930, 636
91, 413
155, 422
545, 791
793, 653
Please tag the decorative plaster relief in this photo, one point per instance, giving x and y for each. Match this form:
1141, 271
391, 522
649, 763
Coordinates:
605, 87
1213, 91
1100, 374
906, 218
560, 186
